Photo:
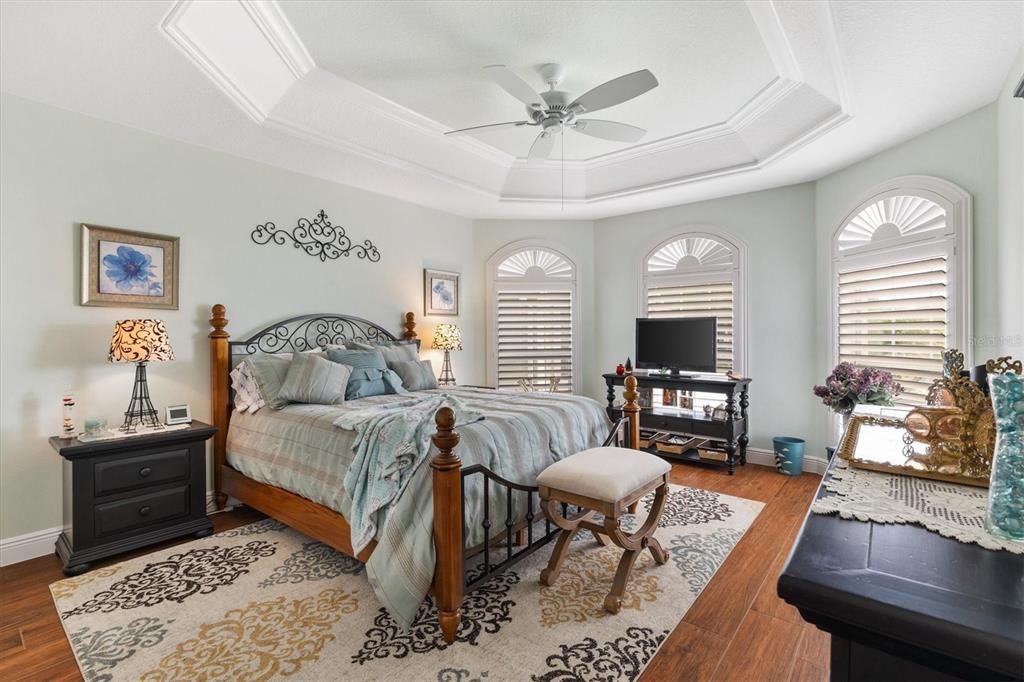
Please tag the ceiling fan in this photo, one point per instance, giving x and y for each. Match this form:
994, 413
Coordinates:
555, 111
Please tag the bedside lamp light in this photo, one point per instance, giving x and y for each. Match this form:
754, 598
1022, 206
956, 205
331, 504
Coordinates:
140, 341
447, 337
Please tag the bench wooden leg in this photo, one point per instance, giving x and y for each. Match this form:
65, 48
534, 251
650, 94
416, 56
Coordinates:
601, 538
550, 574
613, 602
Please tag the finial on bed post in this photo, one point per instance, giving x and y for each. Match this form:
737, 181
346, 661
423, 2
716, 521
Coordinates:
631, 409
448, 577
410, 327
220, 365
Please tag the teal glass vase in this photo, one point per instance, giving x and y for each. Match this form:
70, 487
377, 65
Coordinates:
1005, 517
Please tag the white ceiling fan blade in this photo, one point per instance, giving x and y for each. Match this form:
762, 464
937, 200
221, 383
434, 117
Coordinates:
489, 126
542, 146
609, 130
615, 91
514, 85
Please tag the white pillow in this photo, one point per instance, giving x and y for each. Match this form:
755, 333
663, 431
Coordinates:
248, 397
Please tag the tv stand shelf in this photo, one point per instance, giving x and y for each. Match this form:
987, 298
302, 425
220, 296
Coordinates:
733, 431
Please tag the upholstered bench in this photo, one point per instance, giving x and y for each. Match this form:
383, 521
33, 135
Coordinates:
604, 481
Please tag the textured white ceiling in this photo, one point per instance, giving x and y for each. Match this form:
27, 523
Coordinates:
895, 68
427, 56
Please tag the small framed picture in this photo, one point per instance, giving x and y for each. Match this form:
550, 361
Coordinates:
668, 397
720, 414
440, 292
128, 269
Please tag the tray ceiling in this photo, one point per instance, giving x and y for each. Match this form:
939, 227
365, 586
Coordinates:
752, 94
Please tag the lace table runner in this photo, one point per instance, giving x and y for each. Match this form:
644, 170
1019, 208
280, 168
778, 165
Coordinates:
951, 510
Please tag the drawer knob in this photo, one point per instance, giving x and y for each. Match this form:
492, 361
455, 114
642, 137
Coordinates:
143, 511
145, 471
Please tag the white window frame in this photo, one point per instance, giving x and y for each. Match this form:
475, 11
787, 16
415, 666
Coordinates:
530, 284
955, 242
735, 273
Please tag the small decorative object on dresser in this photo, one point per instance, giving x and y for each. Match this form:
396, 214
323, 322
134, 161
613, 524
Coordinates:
440, 292
620, 369
1005, 517
178, 414
720, 413
126, 493
849, 385
128, 269
140, 341
67, 426
447, 337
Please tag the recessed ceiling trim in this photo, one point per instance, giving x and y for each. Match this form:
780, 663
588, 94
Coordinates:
422, 149
271, 21
171, 28
768, 24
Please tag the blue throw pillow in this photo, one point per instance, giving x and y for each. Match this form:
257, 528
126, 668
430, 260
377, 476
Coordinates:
365, 382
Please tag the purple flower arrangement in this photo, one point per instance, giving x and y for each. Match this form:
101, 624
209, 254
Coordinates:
849, 385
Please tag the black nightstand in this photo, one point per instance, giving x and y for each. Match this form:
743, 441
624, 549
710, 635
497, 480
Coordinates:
126, 493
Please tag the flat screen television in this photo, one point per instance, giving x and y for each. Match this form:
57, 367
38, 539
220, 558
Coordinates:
676, 344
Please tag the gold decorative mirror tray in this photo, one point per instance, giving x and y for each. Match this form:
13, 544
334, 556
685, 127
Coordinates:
885, 444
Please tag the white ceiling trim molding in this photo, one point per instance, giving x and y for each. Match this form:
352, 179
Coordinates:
768, 24
253, 54
280, 34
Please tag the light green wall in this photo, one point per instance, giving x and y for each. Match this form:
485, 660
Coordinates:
963, 152
59, 169
776, 226
1010, 241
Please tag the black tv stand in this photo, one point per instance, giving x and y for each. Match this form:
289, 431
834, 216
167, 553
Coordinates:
732, 431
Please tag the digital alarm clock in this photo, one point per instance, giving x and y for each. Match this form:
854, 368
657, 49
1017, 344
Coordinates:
178, 414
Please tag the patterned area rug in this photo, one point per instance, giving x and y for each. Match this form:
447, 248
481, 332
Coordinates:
263, 601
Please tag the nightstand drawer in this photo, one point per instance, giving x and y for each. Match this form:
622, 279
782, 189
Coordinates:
137, 472
142, 510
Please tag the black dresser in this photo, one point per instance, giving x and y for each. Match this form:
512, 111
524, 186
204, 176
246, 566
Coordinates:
904, 603
126, 493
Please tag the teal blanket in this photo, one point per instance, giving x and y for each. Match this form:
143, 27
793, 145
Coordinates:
391, 442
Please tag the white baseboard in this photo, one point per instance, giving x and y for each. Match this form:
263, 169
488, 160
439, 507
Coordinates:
41, 542
812, 464
28, 546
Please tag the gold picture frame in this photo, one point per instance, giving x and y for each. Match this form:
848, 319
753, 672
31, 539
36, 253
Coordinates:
128, 269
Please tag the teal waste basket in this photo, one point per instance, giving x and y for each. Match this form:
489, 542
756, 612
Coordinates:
789, 455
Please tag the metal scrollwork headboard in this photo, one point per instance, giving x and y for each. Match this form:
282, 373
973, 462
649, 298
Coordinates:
306, 332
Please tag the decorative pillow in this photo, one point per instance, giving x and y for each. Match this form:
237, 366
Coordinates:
247, 391
270, 370
393, 351
314, 379
358, 359
417, 375
365, 382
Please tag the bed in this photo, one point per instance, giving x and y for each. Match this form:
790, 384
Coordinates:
469, 504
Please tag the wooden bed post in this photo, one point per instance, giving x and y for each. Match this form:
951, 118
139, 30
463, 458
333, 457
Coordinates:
631, 409
220, 362
448, 578
410, 327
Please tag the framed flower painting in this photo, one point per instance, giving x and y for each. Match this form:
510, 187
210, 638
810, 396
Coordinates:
128, 269
440, 292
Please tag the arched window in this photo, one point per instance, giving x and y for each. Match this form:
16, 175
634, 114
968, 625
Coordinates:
532, 318
698, 274
901, 281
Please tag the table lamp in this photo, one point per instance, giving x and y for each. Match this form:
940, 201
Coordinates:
140, 341
447, 337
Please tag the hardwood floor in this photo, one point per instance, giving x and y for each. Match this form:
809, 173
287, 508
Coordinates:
738, 629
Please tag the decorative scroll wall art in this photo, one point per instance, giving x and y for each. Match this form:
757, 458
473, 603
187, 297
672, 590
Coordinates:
318, 238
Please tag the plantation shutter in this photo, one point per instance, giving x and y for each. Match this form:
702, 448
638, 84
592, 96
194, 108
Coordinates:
894, 317
698, 300
534, 334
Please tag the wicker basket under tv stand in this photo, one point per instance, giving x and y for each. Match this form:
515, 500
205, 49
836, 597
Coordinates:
732, 431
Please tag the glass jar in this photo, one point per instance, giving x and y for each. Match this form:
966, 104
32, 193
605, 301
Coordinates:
1005, 517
